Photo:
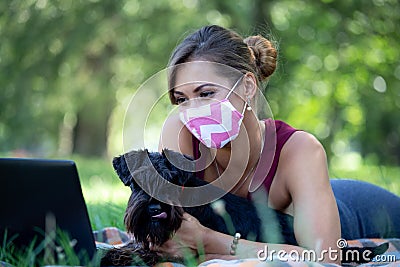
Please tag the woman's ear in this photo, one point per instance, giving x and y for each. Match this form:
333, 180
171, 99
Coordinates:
250, 85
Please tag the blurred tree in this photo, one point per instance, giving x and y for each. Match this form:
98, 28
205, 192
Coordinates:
54, 75
69, 68
339, 73
64, 62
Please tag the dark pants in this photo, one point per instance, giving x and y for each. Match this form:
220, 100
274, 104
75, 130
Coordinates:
366, 210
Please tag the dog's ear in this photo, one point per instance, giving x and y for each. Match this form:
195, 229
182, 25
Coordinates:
179, 161
126, 164
122, 170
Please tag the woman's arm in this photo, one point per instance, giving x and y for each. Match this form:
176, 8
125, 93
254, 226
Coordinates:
214, 244
316, 217
220, 243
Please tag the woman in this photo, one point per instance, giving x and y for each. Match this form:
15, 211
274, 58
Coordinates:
296, 178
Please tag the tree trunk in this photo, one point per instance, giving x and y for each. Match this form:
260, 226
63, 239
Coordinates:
91, 131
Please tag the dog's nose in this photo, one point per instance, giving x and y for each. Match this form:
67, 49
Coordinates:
154, 209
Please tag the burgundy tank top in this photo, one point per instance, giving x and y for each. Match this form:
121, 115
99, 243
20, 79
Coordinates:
276, 135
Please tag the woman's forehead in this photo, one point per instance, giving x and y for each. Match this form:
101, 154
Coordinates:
202, 72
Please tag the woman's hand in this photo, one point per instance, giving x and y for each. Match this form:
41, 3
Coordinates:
192, 237
188, 238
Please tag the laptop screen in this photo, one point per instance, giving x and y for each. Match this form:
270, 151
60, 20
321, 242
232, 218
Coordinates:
38, 196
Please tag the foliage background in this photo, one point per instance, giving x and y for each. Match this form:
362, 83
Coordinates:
68, 69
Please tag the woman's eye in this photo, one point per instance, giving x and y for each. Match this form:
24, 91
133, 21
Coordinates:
207, 94
180, 100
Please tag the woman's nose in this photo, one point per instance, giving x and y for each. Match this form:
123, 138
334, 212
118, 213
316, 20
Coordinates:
192, 103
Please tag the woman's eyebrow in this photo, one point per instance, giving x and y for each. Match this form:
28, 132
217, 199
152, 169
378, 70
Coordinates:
198, 88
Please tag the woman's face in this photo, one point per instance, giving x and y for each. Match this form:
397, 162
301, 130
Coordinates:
200, 83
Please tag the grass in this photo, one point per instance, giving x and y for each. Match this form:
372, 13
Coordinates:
383, 176
55, 249
105, 195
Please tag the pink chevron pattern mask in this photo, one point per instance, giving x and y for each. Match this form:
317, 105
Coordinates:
214, 124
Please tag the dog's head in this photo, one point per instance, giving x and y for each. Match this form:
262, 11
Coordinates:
148, 174
171, 166
150, 220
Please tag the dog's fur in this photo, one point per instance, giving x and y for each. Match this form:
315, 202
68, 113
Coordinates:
142, 217
145, 166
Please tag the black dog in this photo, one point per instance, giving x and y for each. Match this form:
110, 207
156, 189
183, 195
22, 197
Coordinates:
150, 220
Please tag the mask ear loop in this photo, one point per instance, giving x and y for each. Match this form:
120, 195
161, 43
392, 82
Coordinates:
244, 107
233, 88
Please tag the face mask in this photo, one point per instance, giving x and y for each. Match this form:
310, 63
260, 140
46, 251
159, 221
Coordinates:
214, 124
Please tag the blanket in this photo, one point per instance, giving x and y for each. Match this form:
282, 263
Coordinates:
112, 236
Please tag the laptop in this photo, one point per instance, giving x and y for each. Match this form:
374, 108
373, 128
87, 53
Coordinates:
40, 197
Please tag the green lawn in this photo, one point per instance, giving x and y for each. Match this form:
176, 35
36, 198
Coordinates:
105, 195
383, 176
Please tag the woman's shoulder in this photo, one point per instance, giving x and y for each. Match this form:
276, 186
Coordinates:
304, 141
175, 136
279, 130
296, 142
302, 148
303, 160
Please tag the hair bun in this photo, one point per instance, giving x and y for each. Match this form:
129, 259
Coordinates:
265, 55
